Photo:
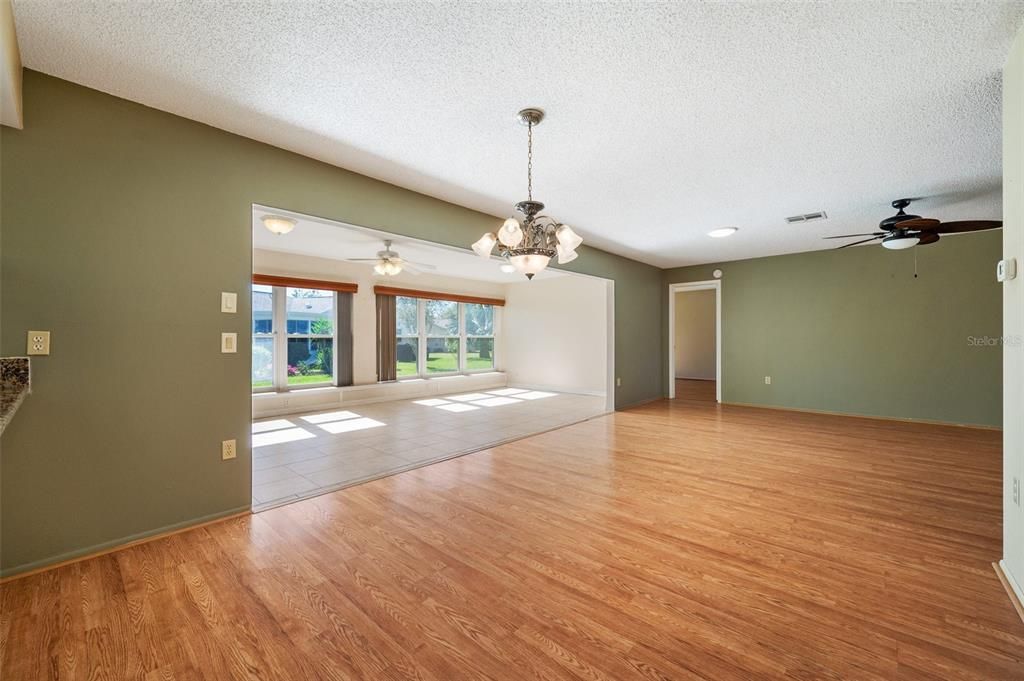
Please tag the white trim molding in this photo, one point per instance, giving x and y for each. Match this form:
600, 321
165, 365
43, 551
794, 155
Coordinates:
709, 285
1013, 589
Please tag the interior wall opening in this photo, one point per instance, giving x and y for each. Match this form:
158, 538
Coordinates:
373, 353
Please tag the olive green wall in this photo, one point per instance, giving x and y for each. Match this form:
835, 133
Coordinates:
852, 331
121, 226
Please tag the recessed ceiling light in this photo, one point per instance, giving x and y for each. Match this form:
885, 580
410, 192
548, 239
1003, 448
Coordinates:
724, 231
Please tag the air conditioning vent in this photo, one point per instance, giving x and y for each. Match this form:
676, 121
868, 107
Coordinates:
807, 217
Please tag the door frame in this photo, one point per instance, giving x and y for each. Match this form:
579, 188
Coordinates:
713, 285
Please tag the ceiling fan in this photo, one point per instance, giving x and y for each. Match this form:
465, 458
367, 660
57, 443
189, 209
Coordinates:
389, 263
905, 231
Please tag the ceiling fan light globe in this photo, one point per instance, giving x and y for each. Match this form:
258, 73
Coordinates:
485, 244
508, 268
568, 238
899, 243
380, 269
510, 234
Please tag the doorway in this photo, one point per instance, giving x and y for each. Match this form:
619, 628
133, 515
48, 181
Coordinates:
695, 341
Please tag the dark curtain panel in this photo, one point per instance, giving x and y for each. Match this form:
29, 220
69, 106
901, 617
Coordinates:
387, 369
344, 339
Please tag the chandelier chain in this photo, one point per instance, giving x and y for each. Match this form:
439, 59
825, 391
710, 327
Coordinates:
529, 161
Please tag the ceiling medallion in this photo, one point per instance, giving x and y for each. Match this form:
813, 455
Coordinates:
528, 245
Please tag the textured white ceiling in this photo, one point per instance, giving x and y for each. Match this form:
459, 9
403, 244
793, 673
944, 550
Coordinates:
665, 120
337, 241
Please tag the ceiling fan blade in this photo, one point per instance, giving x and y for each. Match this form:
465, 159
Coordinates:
410, 268
362, 259
850, 236
917, 224
857, 243
421, 265
968, 226
927, 237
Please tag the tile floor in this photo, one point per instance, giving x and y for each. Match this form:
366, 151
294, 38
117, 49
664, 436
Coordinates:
302, 455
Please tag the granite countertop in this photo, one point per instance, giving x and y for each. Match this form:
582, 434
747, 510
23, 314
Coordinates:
15, 384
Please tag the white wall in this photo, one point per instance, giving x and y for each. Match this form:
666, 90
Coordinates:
695, 334
556, 334
364, 303
1013, 313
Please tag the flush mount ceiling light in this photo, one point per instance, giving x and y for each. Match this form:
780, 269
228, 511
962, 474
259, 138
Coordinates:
277, 224
529, 245
723, 232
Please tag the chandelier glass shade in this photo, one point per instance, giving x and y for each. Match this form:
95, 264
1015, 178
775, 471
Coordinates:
529, 243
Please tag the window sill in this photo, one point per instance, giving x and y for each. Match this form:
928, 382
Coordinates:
312, 398
444, 374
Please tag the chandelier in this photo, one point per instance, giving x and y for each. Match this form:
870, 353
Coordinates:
529, 245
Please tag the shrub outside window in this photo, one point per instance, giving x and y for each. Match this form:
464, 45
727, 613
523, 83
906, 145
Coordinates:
309, 315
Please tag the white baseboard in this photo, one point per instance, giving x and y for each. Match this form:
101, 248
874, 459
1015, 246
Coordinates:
557, 389
1012, 580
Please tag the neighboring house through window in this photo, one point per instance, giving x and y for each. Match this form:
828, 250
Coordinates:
304, 355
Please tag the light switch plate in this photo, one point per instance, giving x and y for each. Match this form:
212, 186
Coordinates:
1006, 269
229, 342
228, 302
38, 343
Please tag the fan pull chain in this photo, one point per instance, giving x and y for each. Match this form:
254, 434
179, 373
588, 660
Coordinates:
915, 262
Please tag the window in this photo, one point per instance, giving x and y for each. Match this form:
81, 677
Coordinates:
294, 336
479, 321
310, 323
436, 337
407, 330
262, 336
441, 319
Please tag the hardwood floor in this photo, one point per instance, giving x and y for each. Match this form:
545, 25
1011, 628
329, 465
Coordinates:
693, 390
679, 540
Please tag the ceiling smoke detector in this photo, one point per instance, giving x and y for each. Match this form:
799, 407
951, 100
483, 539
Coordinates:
807, 217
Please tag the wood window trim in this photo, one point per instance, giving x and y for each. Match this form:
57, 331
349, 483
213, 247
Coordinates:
296, 282
435, 295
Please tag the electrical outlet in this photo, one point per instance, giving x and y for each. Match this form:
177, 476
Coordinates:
227, 450
767, 380
229, 342
38, 343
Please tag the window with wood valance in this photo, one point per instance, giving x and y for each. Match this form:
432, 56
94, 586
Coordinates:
427, 333
301, 333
